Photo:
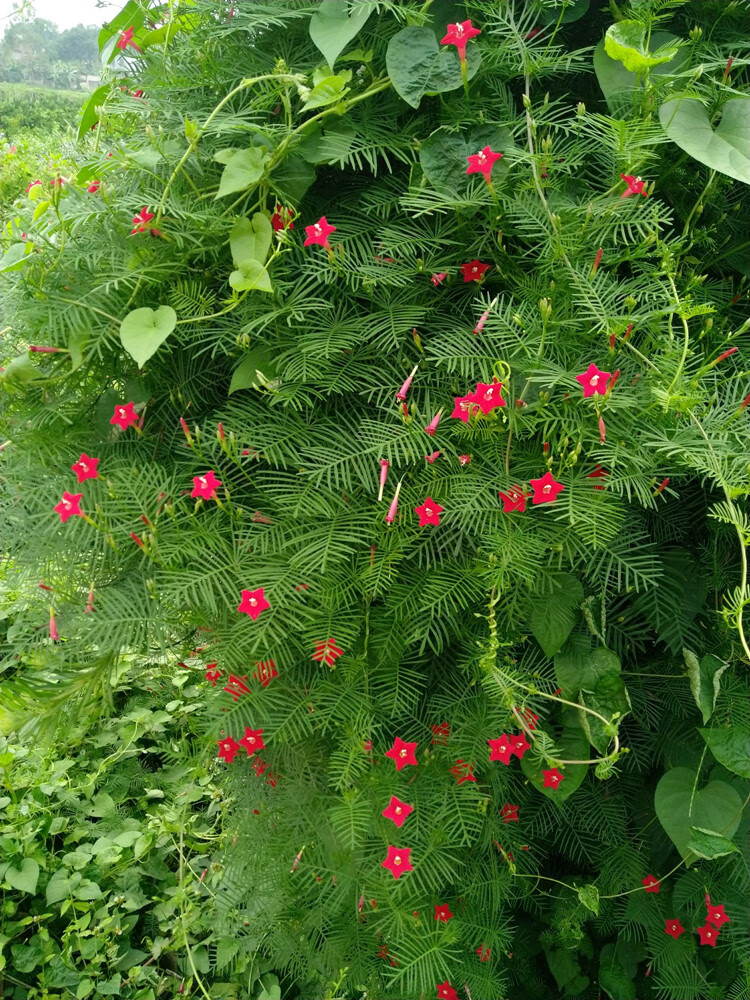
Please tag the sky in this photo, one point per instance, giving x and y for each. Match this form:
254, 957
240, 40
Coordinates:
65, 13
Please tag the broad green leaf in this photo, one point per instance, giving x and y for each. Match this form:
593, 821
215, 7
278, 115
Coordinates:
76, 344
25, 877
291, 179
615, 982
110, 987
551, 618
251, 238
143, 331
589, 896
705, 680
20, 371
573, 745
442, 157
567, 972
90, 115
578, 667
625, 41
256, 371
164, 34
14, 258
331, 27
609, 698
250, 274
708, 844
40, 209
618, 84
326, 92
725, 148
243, 167
716, 807
731, 747
87, 890
59, 886
417, 65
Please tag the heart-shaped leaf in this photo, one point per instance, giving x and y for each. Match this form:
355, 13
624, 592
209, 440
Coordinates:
442, 156
251, 238
725, 148
292, 178
417, 65
573, 745
328, 143
24, 878
573, 10
611, 700
243, 167
589, 896
705, 679
578, 667
331, 27
90, 115
331, 89
143, 331
250, 274
716, 807
625, 41
552, 617
731, 747
618, 84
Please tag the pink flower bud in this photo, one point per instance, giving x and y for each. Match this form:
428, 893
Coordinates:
481, 321
220, 432
597, 261
186, 430
661, 487
90, 601
602, 431
391, 515
384, 465
37, 349
432, 426
401, 394
53, 633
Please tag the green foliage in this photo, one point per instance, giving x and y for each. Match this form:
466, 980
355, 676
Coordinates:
277, 367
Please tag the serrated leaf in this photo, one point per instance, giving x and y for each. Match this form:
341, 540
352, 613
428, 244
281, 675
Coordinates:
417, 65
708, 844
143, 331
705, 680
625, 41
250, 275
243, 167
331, 27
724, 148
731, 747
715, 807
251, 238
552, 617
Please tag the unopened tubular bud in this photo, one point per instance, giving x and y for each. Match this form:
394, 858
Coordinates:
401, 394
186, 430
384, 464
53, 633
391, 515
432, 426
602, 431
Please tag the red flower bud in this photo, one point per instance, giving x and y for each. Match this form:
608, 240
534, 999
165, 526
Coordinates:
597, 261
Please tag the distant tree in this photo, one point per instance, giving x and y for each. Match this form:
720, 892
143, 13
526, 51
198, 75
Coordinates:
32, 51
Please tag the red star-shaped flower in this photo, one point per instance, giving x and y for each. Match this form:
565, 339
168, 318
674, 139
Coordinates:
484, 952
509, 813
428, 513
402, 753
443, 912
319, 233
252, 741
397, 861
205, 486
228, 749
513, 499
397, 811
488, 396
458, 35
716, 915
124, 415
552, 778
674, 928
500, 749
93, 187
474, 270
282, 218
212, 673
518, 744
708, 934
634, 186
253, 602
598, 473
463, 406
444, 990
141, 221
69, 506
594, 381
483, 162
652, 884
438, 278
545, 489
86, 468
126, 38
